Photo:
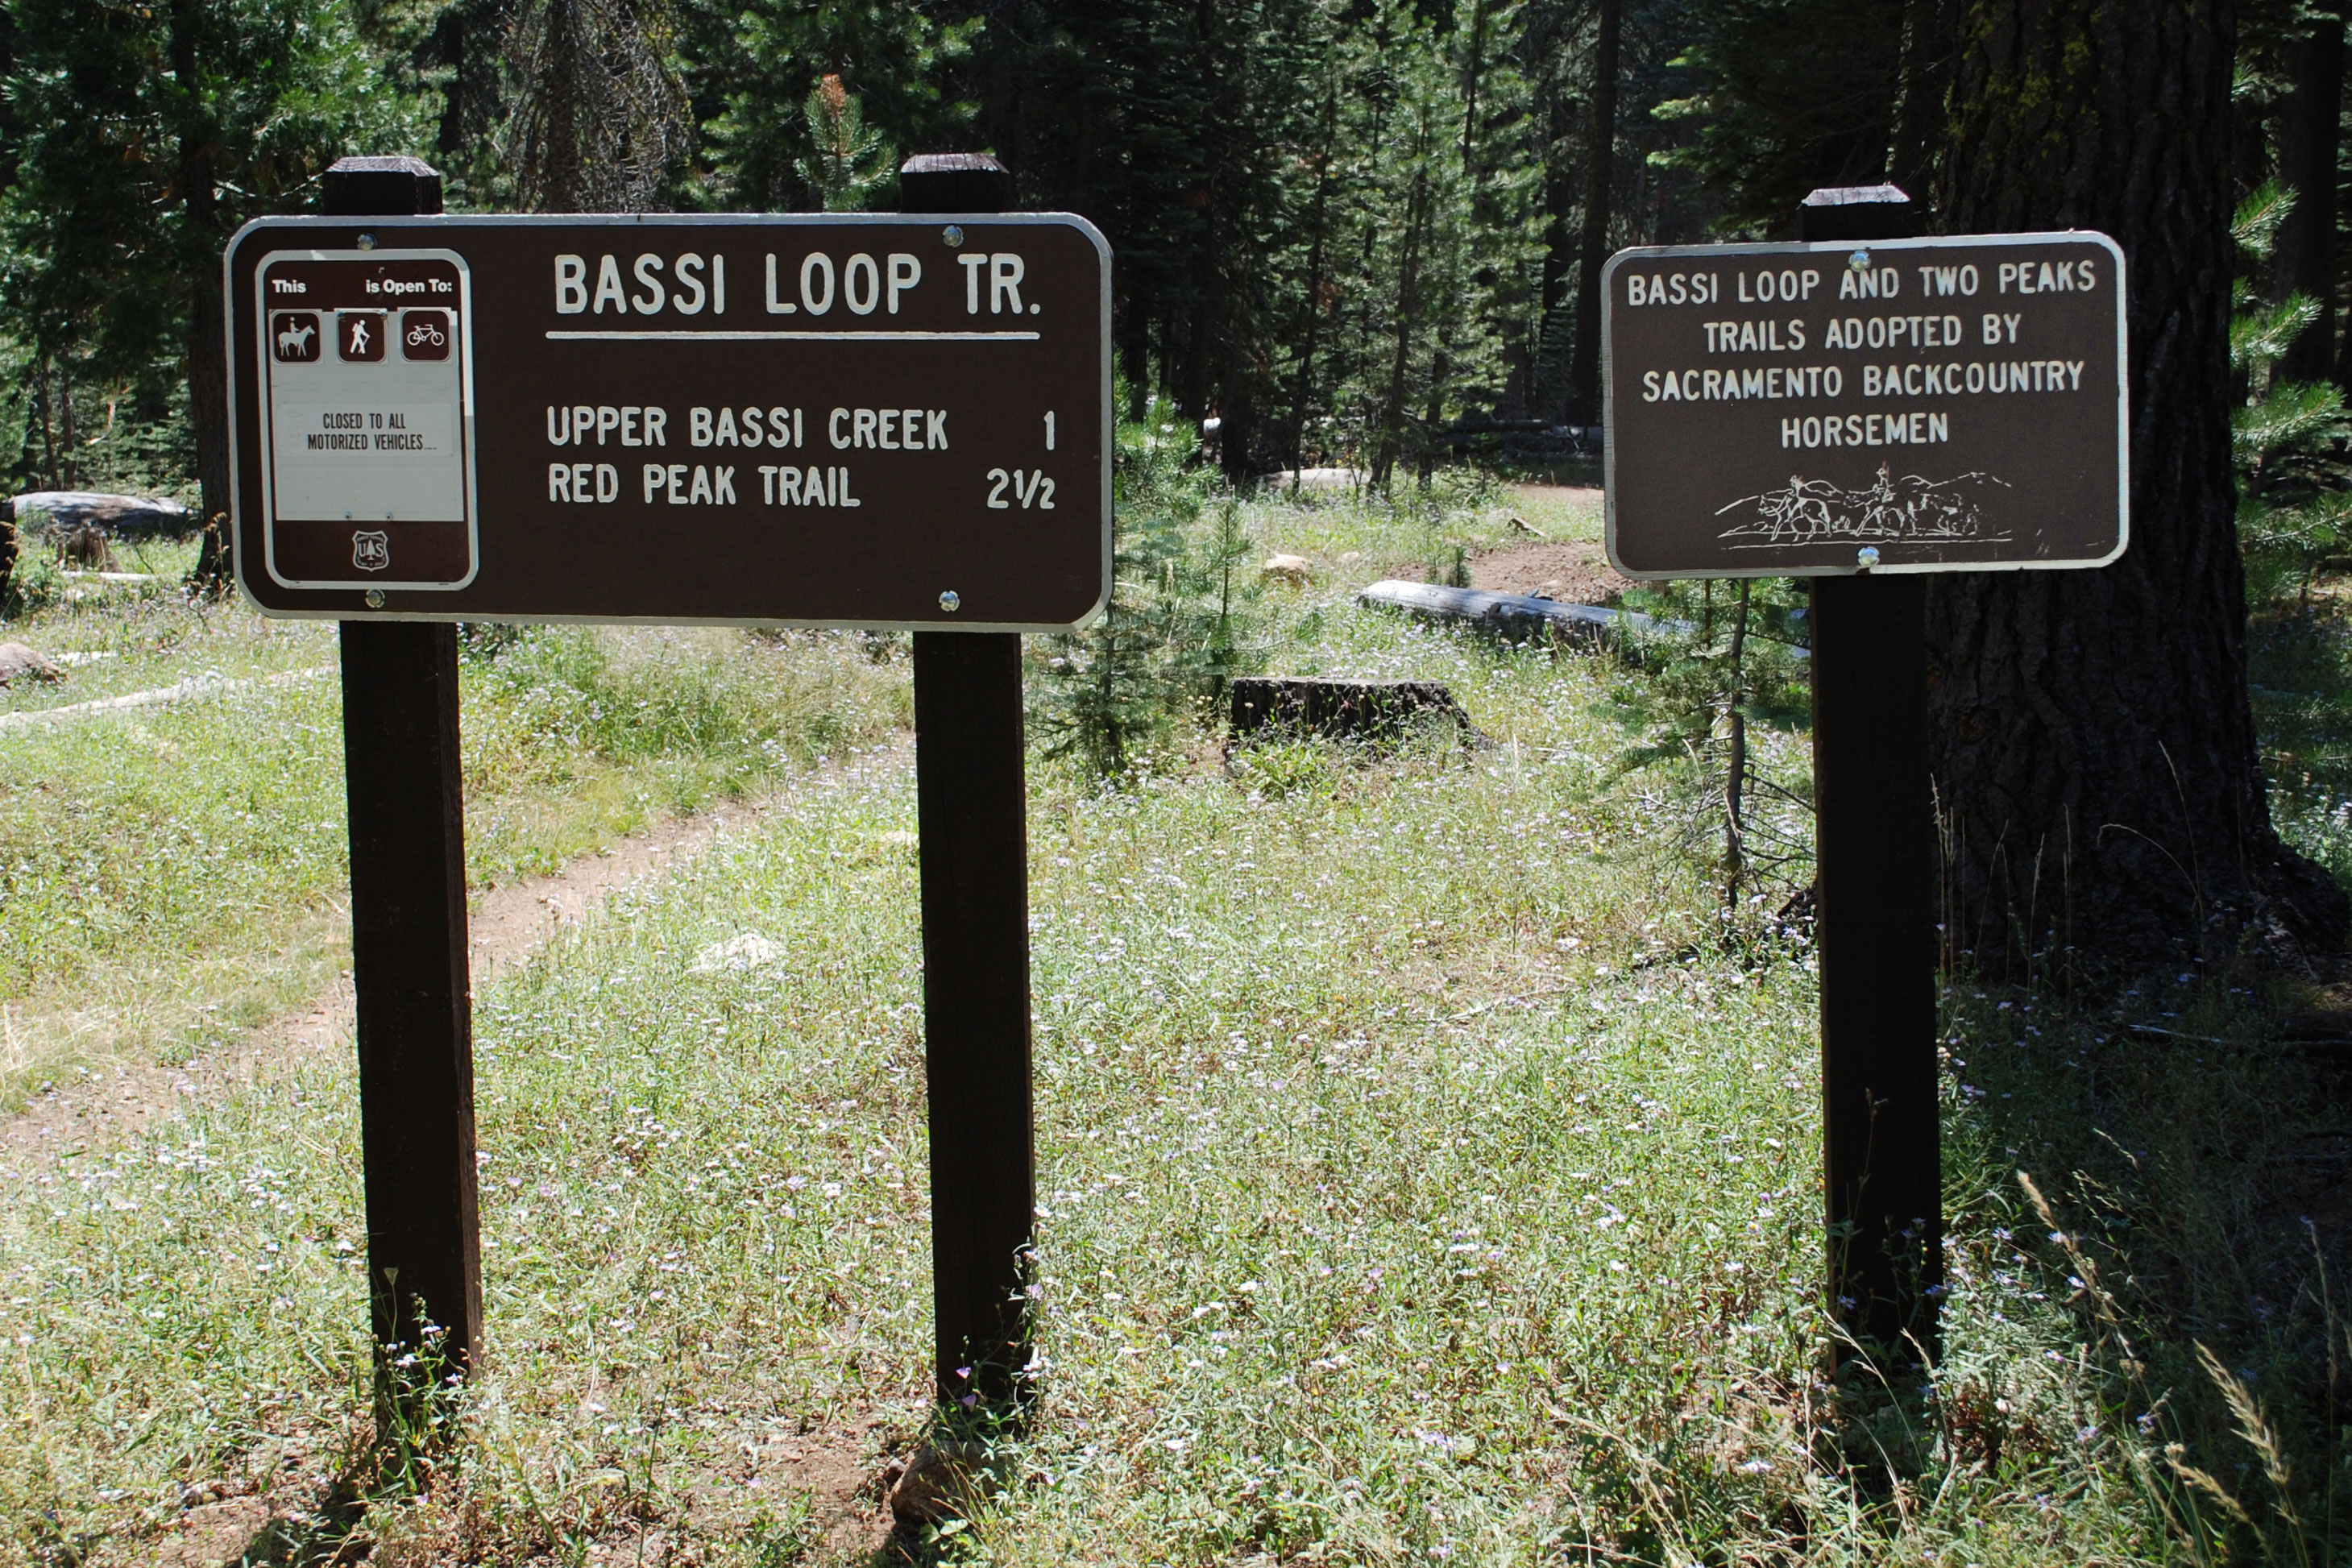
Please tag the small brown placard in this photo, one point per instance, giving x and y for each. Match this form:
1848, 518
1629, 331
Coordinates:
805, 420
1953, 405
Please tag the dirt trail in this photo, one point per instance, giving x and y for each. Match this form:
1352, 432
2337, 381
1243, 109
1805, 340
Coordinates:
277, 1496
512, 921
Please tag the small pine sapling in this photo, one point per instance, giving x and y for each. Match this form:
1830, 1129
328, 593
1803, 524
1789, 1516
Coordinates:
2287, 436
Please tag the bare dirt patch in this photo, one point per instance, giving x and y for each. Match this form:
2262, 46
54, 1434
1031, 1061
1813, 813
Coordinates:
1574, 573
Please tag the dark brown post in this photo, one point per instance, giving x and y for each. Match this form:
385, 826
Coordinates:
971, 806
408, 936
1874, 831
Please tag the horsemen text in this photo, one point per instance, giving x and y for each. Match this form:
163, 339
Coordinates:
1890, 333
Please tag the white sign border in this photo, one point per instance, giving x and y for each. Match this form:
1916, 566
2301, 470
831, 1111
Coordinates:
410, 224
1847, 246
268, 440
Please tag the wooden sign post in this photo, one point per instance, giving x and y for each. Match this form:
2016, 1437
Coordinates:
887, 421
1875, 847
971, 806
409, 960
1857, 408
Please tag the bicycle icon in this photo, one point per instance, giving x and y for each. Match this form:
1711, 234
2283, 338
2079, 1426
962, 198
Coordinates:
424, 334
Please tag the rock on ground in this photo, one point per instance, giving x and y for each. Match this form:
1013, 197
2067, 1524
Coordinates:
18, 662
1294, 570
938, 1482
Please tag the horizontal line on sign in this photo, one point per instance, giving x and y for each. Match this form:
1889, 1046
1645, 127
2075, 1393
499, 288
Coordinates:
679, 337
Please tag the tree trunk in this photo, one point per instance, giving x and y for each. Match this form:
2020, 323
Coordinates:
1922, 92
2309, 136
1584, 376
1136, 355
2093, 751
207, 347
1392, 415
1560, 251
1310, 328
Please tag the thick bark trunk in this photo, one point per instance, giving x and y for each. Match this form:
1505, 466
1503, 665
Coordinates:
1921, 103
2093, 751
207, 348
2308, 136
1584, 376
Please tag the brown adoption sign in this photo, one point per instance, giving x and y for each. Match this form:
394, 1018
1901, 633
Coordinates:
804, 420
1899, 405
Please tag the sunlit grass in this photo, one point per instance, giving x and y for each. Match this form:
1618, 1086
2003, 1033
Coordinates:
173, 873
1422, 1178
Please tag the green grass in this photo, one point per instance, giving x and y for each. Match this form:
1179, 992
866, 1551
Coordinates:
1421, 1181
173, 873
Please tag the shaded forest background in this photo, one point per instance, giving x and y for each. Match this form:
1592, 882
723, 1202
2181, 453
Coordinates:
1343, 227
1349, 229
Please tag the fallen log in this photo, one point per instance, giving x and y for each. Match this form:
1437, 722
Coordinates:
1340, 710
1513, 616
120, 517
1519, 616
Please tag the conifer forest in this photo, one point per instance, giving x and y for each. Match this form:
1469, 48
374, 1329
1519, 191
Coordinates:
1343, 228
1345, 1054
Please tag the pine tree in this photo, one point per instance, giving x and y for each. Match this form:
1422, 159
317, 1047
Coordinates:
2093, 747
899, 65
847, 164
1789, 95
149, 133
600, 121
2293, 503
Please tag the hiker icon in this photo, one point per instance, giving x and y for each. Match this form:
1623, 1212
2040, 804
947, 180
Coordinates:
360, 335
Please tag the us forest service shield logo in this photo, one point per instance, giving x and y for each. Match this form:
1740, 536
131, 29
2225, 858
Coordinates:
371, 551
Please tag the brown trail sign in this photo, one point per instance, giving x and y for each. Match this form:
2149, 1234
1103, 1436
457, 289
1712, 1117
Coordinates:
1858, 407
870, 421
1945, 405
886, 421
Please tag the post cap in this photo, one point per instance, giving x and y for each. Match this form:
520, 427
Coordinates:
1858, 212
953, 183
380, 187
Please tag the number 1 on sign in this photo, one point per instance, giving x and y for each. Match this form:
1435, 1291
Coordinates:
1049, 431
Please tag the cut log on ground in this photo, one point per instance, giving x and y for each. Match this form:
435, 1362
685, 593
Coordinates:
64, 511
1341, 709
1513, 616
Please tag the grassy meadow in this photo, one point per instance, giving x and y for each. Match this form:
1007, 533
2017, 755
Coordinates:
175, 873
1429, 1170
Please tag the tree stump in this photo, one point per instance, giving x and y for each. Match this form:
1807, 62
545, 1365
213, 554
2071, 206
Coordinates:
1341, 709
